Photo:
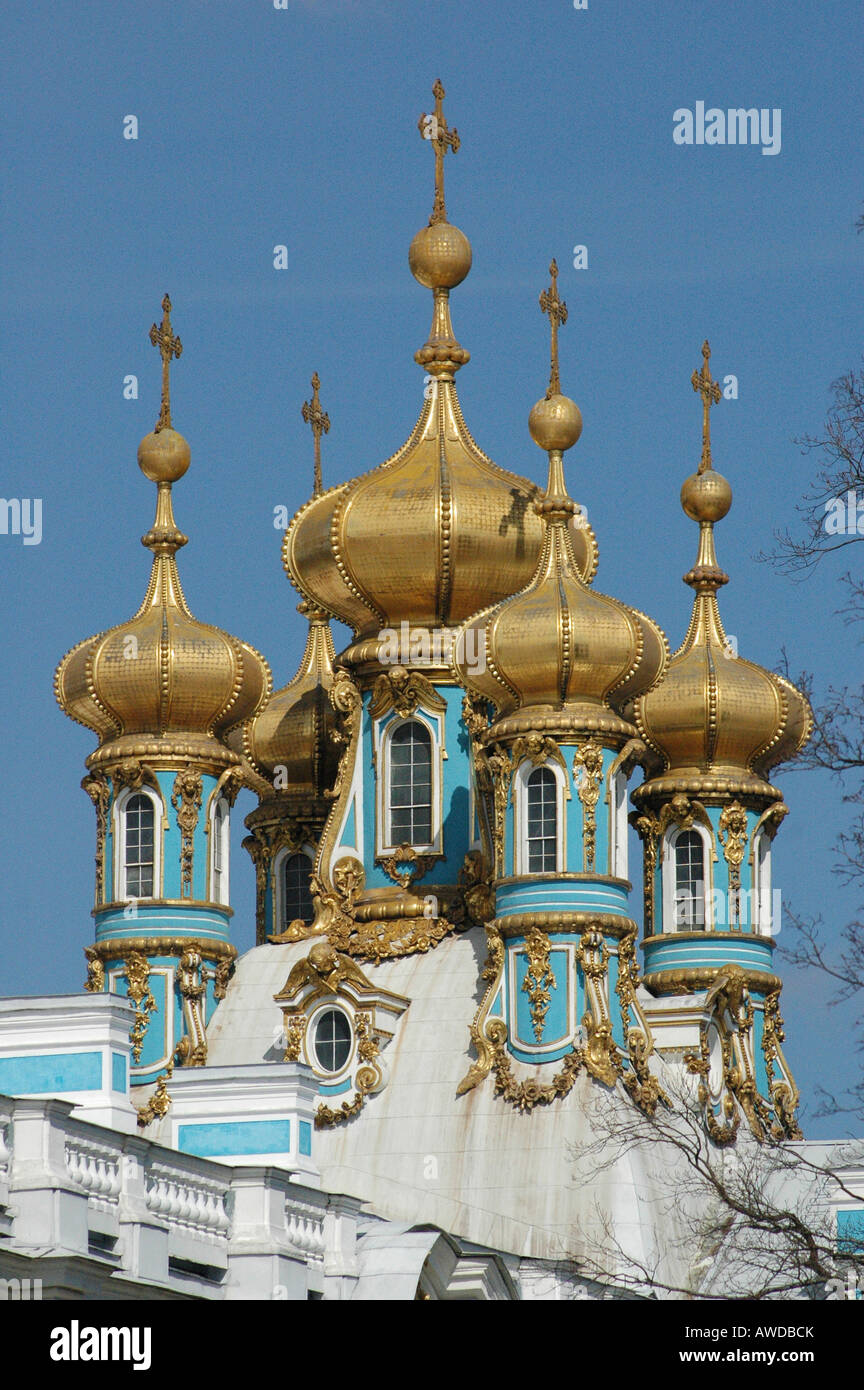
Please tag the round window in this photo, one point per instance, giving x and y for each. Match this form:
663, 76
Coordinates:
332, 1040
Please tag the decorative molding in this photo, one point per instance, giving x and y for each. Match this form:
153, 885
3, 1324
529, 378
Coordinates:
95, 784
137, 972
405, 866
588, 776
160, 1101
539, 979
191, 1051
186, 800
732, 834
539, 749
404, 691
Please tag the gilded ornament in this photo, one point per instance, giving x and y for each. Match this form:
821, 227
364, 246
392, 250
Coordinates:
96, 786
539, 749
539, 979
295, 1028
483, 1040
732, 833
588, 776
192, 984
95, 971
137, 971
319, 421
159, 1103
186, 800
406, 867
404, 691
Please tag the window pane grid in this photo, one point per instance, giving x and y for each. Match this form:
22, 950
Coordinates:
332, 1040
139, 857
410, 790
689, 881
542, 819
296, 898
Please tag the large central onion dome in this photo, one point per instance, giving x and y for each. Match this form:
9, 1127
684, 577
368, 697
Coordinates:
718, 722
438, 531
163, 684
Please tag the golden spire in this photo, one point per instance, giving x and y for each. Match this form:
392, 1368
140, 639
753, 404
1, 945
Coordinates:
435, 129
551, 304
320, 423
169, 346
710, 392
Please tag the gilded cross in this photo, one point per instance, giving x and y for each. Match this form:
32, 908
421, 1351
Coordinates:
169, 347
555, 307
320, 422
435, 128
710, 393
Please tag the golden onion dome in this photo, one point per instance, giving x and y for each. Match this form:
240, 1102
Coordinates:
718, 721
557, 655
438, 530
162, 685
290, 742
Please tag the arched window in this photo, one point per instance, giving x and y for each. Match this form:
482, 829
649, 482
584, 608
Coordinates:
332, 1040
541, 835
410, 788
139, 853
297, 902
220, 851
689, 907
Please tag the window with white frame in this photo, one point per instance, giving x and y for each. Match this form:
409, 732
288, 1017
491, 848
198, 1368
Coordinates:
541, 822
410, 785
220, 849
294, 895
618, 825
138, 823
688, 852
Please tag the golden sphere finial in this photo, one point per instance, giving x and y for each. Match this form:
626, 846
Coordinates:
440, 256
163, 456
555, 422
706, 496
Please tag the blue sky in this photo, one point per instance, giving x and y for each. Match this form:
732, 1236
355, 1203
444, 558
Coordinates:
260, 127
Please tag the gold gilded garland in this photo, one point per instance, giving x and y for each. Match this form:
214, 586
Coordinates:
186, 800
588, 775
539, 979
137, 971
96, 786
732, 834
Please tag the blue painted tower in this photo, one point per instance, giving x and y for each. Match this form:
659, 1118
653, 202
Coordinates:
707, 816
161, 691
561, 667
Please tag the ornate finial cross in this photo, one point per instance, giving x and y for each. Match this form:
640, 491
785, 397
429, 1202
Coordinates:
320, 422
435, 128
169, 347
710, 392
555, 307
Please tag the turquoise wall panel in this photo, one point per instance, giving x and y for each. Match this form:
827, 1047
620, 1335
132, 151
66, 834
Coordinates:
50, 1073
233, 1137
119, 1073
